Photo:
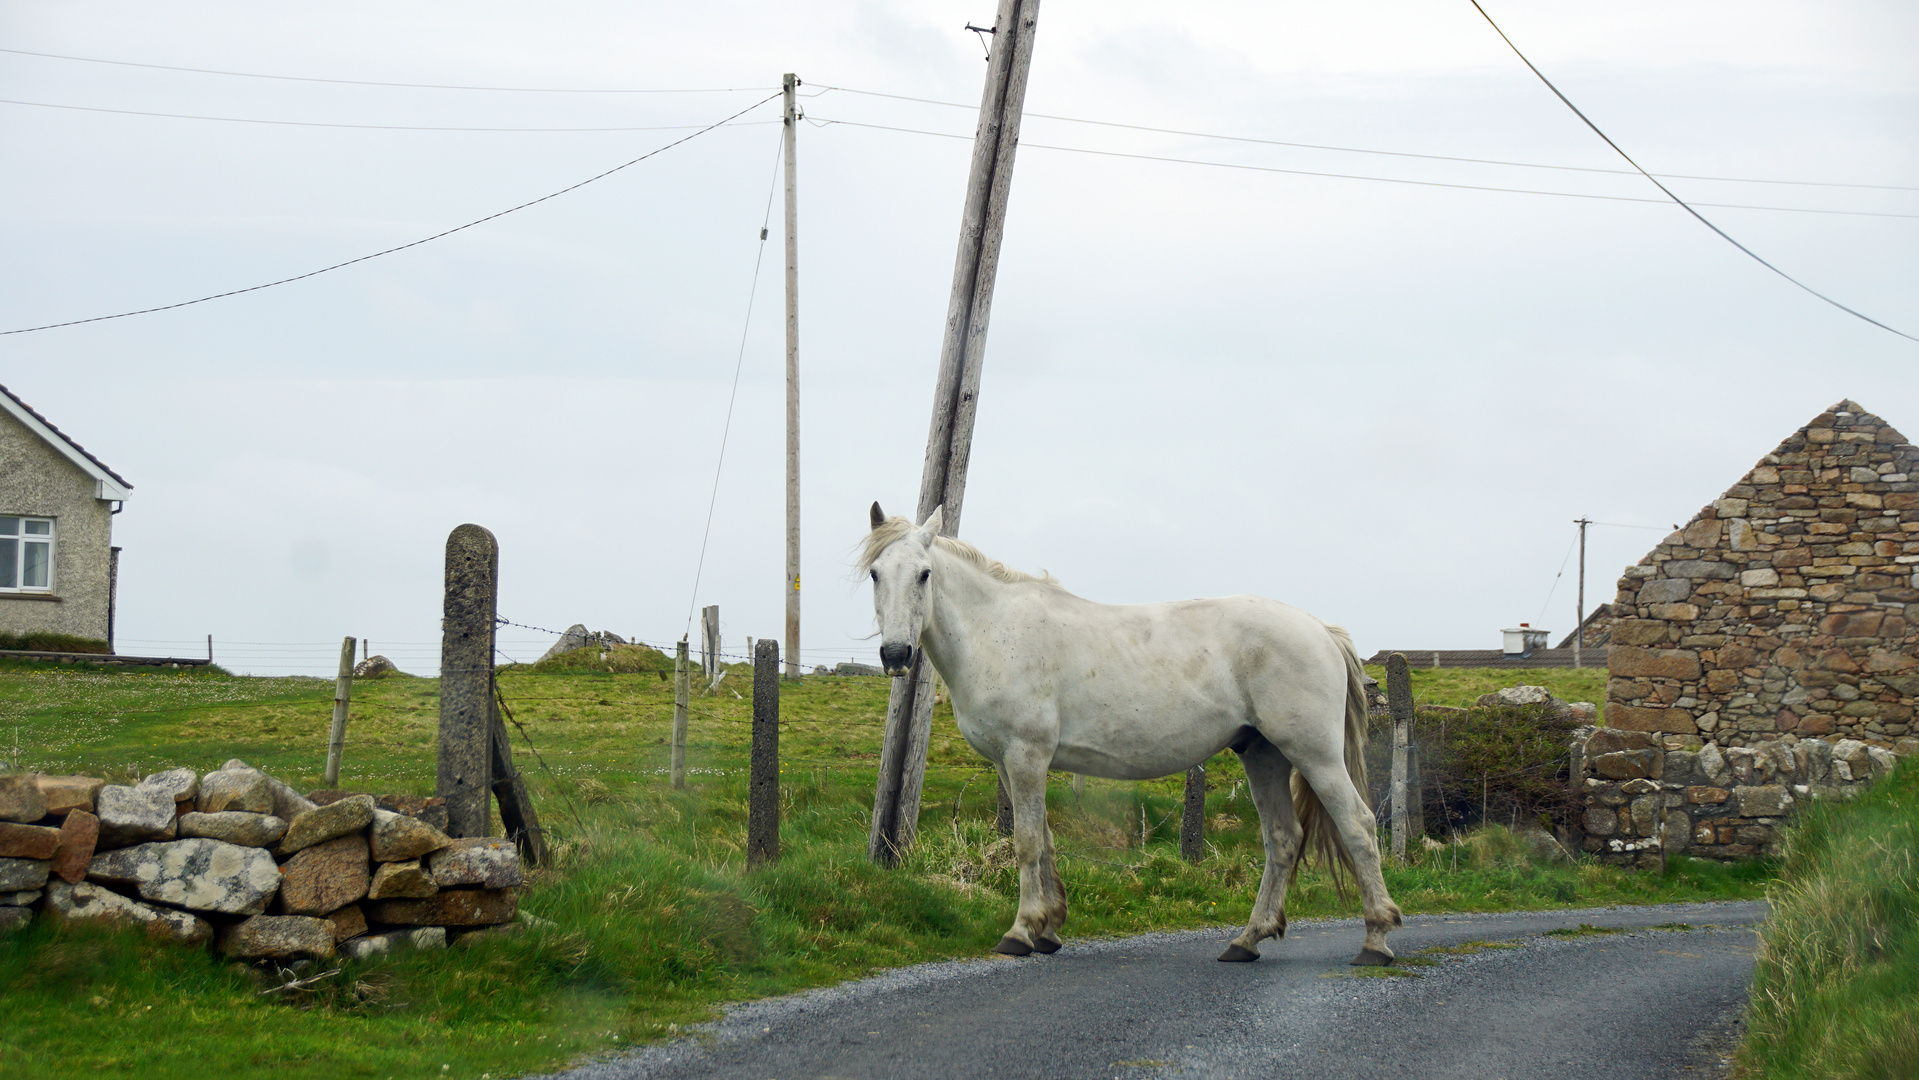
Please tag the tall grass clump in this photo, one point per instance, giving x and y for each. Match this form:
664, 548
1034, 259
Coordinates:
1836, 989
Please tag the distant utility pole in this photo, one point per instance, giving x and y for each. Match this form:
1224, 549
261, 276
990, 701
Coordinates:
1579, 619
909, 712
792, 384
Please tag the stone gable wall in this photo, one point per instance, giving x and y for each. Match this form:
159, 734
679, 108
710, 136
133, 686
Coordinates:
1787, 608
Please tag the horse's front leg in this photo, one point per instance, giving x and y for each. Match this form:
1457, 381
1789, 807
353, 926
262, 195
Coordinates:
1041, 908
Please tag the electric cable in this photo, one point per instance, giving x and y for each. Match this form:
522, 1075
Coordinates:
401, 247
361, 127
1655, 182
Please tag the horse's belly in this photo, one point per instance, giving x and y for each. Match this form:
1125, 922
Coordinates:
1123, 746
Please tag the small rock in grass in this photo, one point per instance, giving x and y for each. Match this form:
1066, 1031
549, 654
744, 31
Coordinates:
20, 798
400, 881
18, 874
14, 918
87, 902
79, 835
234, 827
65, 794
326, 822
425, 937
245, 790
180, 785
27, 841
481, 860
203, 875
325, 877
278, 937
398, 837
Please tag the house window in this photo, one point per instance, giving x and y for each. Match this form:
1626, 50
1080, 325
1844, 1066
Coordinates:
26, 553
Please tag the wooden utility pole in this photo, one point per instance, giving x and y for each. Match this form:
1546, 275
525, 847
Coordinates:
763, 782
678, 767
792, 383
1579, 618
342, 695
464, 776
1399, 701
909, 711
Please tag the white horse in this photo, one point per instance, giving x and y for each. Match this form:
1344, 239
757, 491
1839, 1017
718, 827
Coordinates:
1041, 679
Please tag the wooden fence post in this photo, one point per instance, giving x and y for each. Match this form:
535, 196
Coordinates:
466, 680
516, 806
1192, 820
1399, 700
763, 784
1003, 816
679, 715
342, 696
710, 640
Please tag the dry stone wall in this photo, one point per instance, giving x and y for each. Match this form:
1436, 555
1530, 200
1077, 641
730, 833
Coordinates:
1639, 801
241, 862
1787, 608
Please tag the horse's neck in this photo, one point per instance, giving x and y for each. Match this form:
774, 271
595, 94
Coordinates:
964, 600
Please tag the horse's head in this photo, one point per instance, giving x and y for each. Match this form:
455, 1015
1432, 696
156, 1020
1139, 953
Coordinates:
899, 559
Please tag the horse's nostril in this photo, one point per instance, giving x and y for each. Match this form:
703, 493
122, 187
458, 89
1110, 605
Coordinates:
894, 657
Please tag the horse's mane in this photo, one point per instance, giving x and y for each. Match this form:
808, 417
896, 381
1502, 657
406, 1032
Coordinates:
893, 528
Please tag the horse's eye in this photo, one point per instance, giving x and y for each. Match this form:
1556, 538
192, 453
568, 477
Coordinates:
925, 576
875, 575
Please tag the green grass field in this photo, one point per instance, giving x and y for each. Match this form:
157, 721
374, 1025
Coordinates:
657, 920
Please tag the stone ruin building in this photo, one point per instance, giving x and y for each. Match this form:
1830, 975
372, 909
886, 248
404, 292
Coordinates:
1788, 608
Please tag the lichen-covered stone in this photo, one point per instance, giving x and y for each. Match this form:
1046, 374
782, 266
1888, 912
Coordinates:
234, 827
398, 837
287, 803
65, 794
425, 937
198, 874
348, 922
87, 902
20, 798
14, 918
1767, 800
179, 785
326, 822
486, 861
278, 937
132, 815
401, 881
18, 874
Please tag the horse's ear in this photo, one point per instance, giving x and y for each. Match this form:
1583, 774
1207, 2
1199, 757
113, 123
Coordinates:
878, 516
935, 520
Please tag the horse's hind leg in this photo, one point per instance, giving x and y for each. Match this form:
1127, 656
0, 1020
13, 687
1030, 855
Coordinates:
1354, 825
1025, 771
1267, 775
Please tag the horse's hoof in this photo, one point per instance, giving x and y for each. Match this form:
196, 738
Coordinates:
1044, 945
1372, 958
1237, 954
1012, 946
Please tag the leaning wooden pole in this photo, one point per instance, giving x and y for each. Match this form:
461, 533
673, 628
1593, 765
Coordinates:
466, 681
792, 382
342, 698
949, 442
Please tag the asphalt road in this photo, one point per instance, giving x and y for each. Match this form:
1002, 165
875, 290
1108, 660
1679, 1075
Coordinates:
1643, 1003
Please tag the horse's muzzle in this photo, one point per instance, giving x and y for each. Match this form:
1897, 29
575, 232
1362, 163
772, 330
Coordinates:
896, 659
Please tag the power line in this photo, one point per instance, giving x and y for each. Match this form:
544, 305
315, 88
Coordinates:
401, 247
1359, 150
1655, 182
370, 82
1358, 176
363, 127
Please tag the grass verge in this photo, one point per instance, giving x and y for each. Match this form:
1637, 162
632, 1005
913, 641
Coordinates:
1835, 993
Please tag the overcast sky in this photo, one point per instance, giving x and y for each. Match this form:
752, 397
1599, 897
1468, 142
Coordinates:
1382, 402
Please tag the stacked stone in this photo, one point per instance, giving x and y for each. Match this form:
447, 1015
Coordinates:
1639, 801
1789, 608
241, 861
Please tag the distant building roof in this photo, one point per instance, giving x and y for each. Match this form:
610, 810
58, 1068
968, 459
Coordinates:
1599, 620
111, 485
1452, 658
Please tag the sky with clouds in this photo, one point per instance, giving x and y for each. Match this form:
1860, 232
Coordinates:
1382, 401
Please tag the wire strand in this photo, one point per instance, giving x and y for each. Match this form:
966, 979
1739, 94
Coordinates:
402, 247
370, 82
358, 127
1359, 176
738, 364
1723, 235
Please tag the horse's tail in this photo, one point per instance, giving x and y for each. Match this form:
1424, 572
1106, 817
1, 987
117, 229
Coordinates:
1320, 835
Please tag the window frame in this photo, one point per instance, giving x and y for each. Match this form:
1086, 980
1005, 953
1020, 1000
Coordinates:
20, 539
